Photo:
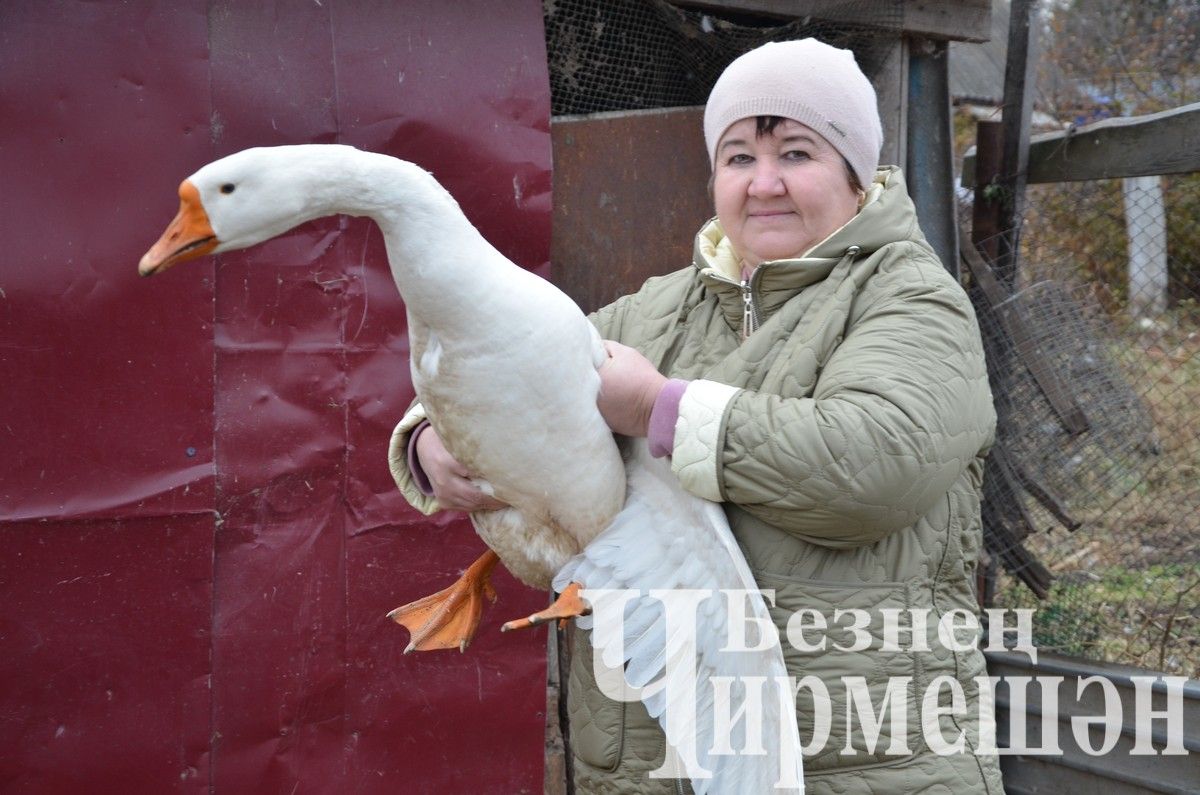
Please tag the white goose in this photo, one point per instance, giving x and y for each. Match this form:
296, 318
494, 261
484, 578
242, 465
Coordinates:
487, 338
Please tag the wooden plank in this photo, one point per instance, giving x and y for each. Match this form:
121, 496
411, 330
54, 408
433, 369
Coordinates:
1019, 330
1040, 492
985, 209
957, 20
1133, 146
1019, 78
630, 193
891, 88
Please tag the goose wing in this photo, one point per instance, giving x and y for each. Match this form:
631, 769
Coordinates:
668, 564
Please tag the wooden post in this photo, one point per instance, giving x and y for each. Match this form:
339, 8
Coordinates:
987, 220
558, 776
891, 87
986, 225
930, 171
1019, 74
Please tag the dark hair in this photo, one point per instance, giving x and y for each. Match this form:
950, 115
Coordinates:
765, 125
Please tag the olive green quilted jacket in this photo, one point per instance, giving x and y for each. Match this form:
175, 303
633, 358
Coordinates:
845, 437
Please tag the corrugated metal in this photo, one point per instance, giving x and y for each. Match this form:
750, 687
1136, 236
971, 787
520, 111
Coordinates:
201, 535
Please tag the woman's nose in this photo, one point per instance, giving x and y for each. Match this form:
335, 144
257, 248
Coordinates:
767, 180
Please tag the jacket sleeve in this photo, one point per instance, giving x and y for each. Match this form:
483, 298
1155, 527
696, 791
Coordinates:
900, 410
398, 461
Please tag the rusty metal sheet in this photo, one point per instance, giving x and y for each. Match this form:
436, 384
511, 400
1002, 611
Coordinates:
246, 399
630, 193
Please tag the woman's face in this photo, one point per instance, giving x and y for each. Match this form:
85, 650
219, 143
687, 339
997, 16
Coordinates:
779, 194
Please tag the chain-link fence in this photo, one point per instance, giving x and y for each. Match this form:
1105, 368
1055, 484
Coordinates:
1108, 291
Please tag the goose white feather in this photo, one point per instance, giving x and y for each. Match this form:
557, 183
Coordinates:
506, 368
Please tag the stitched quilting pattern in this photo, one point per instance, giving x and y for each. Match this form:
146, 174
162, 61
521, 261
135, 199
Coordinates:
849, 453
696, 458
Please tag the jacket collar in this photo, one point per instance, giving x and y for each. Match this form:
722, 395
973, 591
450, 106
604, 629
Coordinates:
887, 216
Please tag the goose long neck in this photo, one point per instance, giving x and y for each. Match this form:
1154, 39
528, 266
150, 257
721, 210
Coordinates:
438, 259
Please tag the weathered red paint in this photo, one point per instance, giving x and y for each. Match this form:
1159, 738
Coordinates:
201, 536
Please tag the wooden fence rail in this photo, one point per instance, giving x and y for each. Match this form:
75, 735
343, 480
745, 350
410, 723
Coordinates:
1133, 146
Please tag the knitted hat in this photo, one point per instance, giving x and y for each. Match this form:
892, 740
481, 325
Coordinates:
807, 81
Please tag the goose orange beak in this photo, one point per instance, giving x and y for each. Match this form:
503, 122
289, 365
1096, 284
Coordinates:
187, 237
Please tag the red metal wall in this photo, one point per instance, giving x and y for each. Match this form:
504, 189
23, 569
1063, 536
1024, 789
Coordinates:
199, 534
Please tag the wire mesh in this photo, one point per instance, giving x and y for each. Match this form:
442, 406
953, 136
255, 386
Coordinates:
1109, 280
1069, 470
608, 55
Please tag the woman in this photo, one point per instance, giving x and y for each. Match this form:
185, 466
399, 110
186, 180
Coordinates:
820, 373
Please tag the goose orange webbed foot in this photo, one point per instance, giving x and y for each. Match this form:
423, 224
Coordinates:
448, 619
568, 605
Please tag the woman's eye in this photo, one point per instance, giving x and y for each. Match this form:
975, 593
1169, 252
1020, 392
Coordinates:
739, 159
795, 154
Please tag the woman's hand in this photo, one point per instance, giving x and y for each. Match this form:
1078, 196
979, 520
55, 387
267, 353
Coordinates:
629, 385
450, 480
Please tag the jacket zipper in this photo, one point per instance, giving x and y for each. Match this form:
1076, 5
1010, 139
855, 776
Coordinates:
749, 311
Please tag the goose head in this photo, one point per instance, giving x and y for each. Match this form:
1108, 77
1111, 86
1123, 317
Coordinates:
247, 198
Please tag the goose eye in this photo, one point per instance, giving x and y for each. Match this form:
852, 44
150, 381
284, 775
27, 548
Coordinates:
227, 187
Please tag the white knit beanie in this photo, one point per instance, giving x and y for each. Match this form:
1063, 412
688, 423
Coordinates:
807, 81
